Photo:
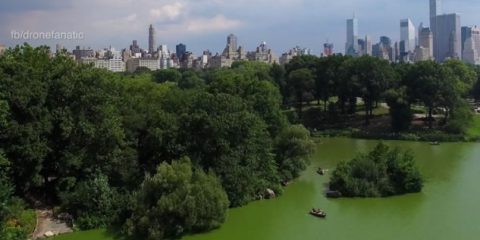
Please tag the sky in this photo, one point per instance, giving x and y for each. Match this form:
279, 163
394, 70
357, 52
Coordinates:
205, 24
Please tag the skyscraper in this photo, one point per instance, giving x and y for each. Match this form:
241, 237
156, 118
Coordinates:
425, 41
475, 35
407, 34
181, 49
361, 47
447, 37
351, 47
368, 45
151, 39
435, 10
470, 54
232, 43
466, 34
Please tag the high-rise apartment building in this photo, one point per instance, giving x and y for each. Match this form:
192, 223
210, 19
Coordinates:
368, 45
351, 47
232, 50
151, 40
471, 32
447, 37
470, 54
424, 51
232, 43
475, 35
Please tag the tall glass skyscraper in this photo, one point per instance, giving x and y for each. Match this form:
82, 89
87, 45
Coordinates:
181, 49
351, 47
407, 35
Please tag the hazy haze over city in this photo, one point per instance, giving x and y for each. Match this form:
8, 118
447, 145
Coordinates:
204, 24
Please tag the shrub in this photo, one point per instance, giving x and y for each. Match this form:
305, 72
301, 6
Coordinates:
380, 173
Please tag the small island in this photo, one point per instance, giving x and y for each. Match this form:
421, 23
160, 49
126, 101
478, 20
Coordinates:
383, 172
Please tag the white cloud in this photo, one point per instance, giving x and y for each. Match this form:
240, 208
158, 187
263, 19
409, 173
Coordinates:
217, 23
168, 12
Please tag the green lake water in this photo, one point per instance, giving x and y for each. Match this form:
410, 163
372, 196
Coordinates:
447, 208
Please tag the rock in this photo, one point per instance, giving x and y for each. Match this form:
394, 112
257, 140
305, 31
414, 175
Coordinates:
334, 194
49, 234
269, 193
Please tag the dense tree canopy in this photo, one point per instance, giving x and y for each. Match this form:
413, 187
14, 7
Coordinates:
70, 130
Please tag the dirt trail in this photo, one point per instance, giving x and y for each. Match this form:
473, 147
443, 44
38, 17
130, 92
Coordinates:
47, 223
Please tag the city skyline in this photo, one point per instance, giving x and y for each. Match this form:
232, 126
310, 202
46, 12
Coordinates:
204, 24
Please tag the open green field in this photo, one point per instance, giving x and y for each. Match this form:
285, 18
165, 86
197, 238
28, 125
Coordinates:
97, 234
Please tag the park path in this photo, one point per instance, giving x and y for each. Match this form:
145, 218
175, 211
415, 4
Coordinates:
46, 223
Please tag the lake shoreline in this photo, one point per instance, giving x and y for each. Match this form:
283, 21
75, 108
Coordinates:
433, 136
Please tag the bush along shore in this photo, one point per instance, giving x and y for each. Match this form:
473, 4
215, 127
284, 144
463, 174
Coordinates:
383, 172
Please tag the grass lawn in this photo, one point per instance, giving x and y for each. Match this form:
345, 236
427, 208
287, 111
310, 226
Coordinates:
474, 130
97, 234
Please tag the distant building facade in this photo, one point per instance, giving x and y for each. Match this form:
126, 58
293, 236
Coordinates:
327, 49
294, 52
262, 54
424, 50
470, 53
83, 53
447, 37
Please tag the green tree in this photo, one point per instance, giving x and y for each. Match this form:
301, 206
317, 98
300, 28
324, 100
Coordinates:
278, 74
293, 147
301, 83
328, 77
190, 79
400, 113
219, 132
460, 118
91, 202
23, 74
167, 75
476, 89
424, 83
177, 200
373, 76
